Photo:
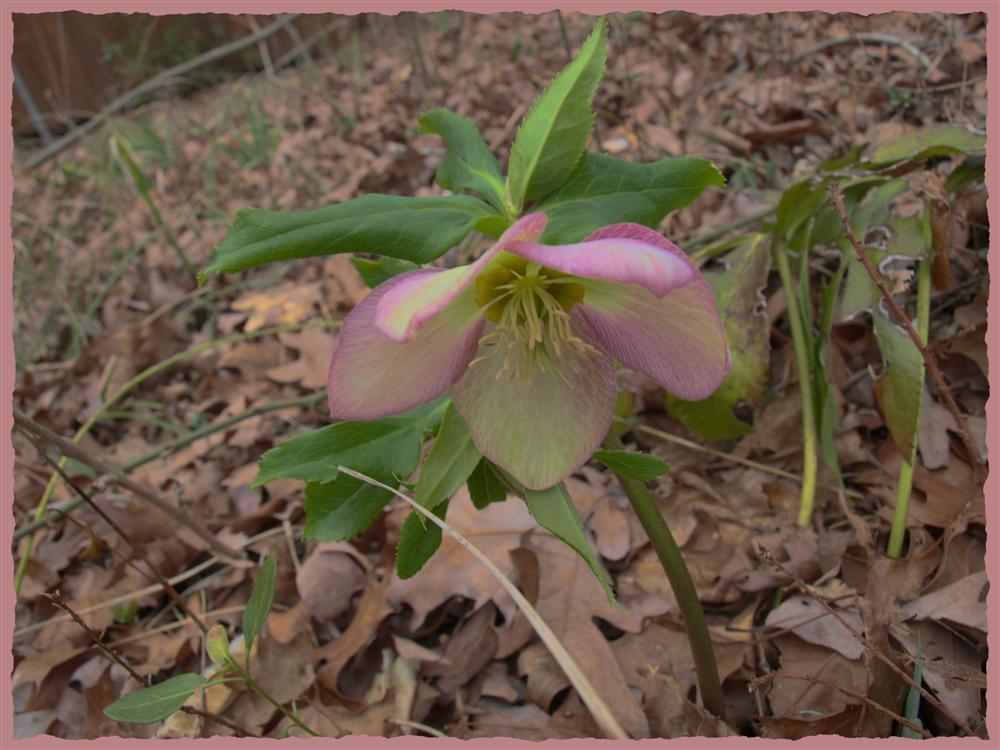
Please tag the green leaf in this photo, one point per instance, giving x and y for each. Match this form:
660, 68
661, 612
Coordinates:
554, 510
340, 510
900, 391
155, 703
260, 602
374, 272
418, 541
827, 407
797, 205
603, 190
555, 131
380, 448
449, 463
632, 465
413, 229
738, 295
973, 169
485, 486
468, 163
937, 140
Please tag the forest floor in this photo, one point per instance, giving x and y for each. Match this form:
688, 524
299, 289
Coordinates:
185, 388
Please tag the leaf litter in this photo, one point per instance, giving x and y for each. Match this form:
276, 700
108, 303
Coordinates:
362, 652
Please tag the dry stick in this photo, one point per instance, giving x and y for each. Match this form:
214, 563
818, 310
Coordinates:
691, 445
756, 682
767, 556
148, 590
870, 38
929, 359
154, 83
113, 655
171, 591
591, 698
174, 445
72, 450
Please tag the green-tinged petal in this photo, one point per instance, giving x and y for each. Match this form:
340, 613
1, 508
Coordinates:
539, 430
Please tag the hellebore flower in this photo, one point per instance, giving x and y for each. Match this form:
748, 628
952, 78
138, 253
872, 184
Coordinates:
525, 339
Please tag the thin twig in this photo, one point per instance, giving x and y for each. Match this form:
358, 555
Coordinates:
869, 38
756, 682
691, 445
148, 590
175, 445
901, 317
602, 714
768, 557
136, 550
157, 81
113, 655
71, 449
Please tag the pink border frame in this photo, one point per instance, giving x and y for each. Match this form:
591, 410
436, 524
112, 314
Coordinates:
351, 7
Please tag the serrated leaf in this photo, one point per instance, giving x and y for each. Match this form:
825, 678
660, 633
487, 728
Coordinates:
340, 510
485, 486
418, 541
381, 448
374, 272
157, 702
261, 600
937, 140
554, 510
468, 163
632, 465
450, 461
604, 190
738, 295
413, 229
555, 131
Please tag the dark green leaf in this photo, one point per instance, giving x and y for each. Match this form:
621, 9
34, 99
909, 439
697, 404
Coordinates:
973, 169
418, 541
603, 190
414, 229
900, 391
449, 463
374, 272
554, 510
632, 465
157, 702
340, 510
468, 163
797, 205
261, 600
554, 133
485, 486
381, 448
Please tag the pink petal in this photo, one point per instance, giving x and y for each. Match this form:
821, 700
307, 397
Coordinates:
404, 308
372, 375
622, 253
542, 430
677, 340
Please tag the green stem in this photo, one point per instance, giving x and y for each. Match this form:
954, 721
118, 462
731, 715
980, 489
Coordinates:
670, 557
121, 392
809, 454
259, 689
905, 486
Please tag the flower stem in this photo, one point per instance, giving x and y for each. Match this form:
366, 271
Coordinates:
257, 688
666, 549
905, 486
802, 357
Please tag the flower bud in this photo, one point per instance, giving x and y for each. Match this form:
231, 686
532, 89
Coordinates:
217, 645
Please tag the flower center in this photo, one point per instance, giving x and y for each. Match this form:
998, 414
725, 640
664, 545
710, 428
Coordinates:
530, 305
